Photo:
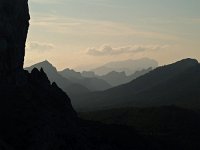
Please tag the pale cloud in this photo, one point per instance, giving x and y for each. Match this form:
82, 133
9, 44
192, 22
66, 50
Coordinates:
107, 50
39, 46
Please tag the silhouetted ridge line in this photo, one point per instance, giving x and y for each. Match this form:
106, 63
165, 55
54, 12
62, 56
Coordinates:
38, 115
174, 84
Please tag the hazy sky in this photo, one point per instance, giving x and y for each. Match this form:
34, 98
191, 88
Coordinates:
73, 33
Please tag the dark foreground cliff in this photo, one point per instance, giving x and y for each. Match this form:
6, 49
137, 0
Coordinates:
14, 23
38, 116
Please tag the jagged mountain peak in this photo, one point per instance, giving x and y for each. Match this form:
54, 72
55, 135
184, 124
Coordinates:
45, 62
46, 65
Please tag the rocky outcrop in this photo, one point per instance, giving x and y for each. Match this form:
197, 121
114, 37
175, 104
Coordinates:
14, 23
38, 115
33, 114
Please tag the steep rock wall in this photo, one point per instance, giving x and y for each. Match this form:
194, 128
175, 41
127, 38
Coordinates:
14, 23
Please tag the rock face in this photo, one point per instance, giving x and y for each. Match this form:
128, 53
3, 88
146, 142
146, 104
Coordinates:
38, 115
14, 23
34, 114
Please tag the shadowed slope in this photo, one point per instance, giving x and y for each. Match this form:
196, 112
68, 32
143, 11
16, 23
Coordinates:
38, 115
177, 84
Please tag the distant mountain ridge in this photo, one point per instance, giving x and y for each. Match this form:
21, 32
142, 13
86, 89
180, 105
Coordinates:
118, 78
99, 83
92, 83
74, 82
128, 66
177, 84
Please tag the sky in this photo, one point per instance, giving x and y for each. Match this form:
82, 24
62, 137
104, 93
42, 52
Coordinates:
84, 34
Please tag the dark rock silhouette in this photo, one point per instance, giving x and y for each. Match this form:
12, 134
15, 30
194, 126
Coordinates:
72, 89
71, 81
32, 113
38, 115
14, 23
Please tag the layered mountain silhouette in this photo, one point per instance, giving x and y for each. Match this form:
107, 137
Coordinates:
71, 81
39, 115
36, 114
92, 83
128, 66
118, 78
70, 87
176, 84
100, 83
79, 83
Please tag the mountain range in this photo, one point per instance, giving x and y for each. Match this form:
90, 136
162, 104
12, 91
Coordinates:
36, 114
174, 84
118, 78
92, 83
76, 84
128, 66
68, 86
96, 82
